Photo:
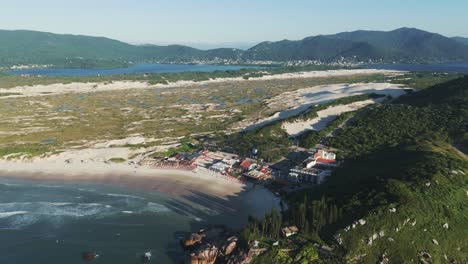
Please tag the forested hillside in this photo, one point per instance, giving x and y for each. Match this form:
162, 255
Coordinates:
401, 45
400, 194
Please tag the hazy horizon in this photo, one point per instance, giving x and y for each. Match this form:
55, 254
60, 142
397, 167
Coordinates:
208, 24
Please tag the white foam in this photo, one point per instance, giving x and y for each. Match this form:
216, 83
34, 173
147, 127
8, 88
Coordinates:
127, 212
8, 214
155, 208
125, 196
11, 184
49, 186
57, 209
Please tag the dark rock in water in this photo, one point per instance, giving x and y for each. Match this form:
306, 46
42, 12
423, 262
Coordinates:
89, 256
215, 245
192, 240
229, 245
146, 258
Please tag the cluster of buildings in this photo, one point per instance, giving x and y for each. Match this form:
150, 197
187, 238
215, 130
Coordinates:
234, 166
315, 169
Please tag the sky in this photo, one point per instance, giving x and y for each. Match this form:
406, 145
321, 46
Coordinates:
230, 23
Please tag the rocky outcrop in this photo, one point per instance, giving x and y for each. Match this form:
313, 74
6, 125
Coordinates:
193, 240
215, 245
229, 246
206, 254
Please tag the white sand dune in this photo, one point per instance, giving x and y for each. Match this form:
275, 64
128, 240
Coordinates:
324, 117
77, 87
300, 100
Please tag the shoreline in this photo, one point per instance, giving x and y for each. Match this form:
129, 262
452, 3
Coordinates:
172, 182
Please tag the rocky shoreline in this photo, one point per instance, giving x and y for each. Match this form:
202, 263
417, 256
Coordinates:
216, 245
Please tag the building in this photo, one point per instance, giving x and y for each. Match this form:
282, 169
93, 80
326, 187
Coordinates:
289, 231
257, 175
325, 155
230, 161
248, 164
325, 158
323, 175
219, 167
306, 175
308, 172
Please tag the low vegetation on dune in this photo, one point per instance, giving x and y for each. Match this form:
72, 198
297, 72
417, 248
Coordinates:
165, 114
10, 80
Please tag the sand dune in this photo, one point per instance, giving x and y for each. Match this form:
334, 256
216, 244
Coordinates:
78, 87
324, 117
300, 100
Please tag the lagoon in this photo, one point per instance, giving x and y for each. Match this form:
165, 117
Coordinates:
436, 67
136, 69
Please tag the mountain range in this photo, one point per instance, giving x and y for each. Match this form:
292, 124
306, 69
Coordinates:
461, 40
21, 47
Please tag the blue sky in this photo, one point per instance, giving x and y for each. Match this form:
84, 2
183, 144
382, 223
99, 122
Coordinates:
230, 22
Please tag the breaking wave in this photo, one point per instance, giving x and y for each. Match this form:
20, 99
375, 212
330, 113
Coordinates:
11, 184
56, 209
155, 208
23, 214
8, 214
125, 196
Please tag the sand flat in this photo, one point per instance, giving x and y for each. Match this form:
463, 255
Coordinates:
89, 165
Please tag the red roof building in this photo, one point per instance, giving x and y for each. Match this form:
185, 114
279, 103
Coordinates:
246, 164
325, 160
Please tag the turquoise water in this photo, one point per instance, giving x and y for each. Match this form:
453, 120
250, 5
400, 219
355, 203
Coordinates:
136, 69
54, 222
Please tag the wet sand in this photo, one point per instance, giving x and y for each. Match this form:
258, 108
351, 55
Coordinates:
171, 182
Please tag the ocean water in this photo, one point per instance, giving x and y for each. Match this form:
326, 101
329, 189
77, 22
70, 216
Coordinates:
136, 69
55, 222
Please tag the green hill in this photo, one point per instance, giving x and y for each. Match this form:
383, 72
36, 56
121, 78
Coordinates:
461, 40
400, 45
31, 47
22, 47
401, 191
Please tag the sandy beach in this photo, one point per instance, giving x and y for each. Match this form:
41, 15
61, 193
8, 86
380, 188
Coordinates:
93, 162
64, 167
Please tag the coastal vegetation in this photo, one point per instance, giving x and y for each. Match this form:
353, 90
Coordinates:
400, 194
165, 114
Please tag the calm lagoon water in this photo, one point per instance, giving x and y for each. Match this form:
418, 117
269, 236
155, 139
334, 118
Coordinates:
136, 69
54, 222
441, 67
